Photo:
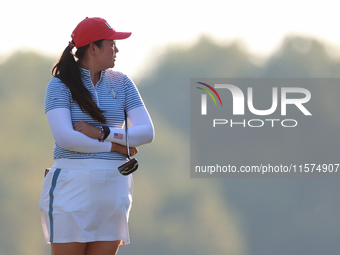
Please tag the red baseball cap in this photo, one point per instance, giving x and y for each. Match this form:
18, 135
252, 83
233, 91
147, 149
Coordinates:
94, 29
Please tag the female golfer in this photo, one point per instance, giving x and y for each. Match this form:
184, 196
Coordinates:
85, 201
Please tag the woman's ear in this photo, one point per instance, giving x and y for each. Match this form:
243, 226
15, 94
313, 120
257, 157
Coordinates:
92, 49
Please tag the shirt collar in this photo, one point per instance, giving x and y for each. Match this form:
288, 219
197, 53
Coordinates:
86, 74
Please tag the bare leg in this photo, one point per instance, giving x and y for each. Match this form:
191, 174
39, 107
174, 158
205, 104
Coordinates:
68, 248
102, 248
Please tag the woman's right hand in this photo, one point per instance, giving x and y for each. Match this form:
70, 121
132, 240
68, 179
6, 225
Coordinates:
115, 147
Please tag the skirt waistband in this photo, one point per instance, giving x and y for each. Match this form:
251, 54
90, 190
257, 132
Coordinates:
78, 164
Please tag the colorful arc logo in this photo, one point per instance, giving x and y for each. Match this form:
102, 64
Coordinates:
208, 92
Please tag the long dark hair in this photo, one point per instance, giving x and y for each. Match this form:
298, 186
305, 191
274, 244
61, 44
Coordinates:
67, 70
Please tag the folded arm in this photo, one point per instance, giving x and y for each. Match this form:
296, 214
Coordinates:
65, 136
140, 132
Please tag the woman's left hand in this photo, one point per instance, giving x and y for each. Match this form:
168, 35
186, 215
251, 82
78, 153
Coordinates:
87, 129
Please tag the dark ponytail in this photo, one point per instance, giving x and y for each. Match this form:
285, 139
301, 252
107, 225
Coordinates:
67, 70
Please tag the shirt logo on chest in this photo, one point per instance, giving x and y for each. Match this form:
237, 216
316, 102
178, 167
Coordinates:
113, 93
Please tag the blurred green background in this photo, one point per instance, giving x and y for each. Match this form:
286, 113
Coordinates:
172, 213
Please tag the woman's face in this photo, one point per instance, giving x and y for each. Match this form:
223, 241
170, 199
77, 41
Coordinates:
107, 54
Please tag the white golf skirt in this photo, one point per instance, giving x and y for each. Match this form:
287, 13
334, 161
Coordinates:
86, 200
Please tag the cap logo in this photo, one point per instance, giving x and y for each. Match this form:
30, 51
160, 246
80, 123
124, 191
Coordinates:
108, 25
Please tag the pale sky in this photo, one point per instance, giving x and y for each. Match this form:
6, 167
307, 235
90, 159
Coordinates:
46, 26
